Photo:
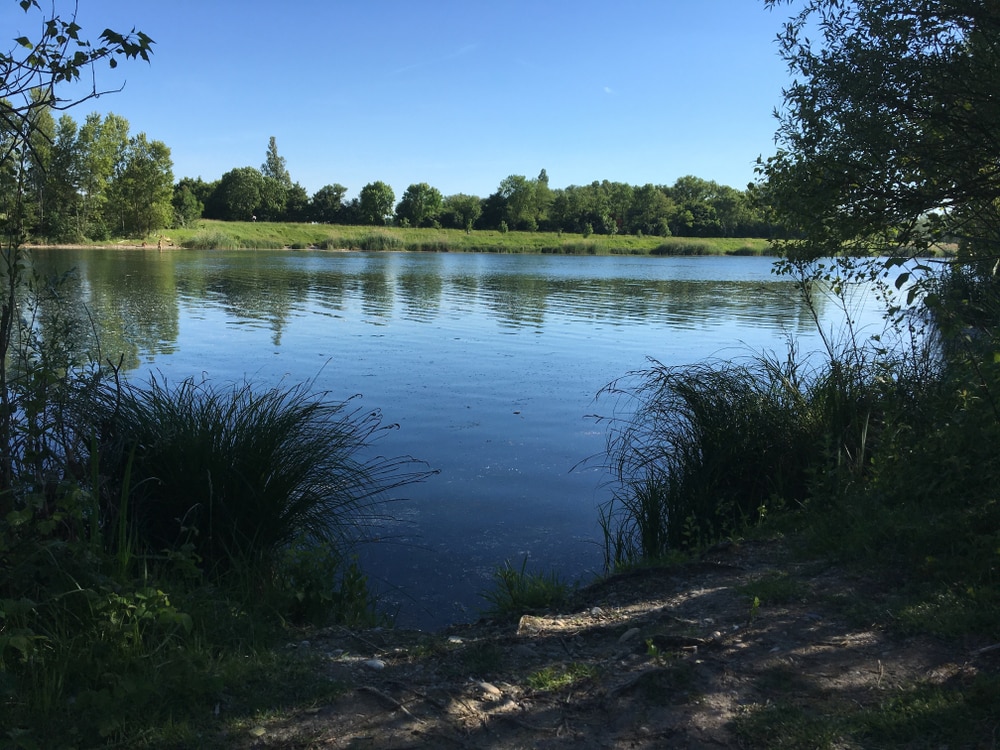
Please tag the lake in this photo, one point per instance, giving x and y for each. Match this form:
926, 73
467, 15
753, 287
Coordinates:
489, 364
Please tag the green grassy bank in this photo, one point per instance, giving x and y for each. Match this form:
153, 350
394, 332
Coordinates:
207, 234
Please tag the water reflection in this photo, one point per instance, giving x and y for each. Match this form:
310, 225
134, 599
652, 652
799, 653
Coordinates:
136, 297
488, 363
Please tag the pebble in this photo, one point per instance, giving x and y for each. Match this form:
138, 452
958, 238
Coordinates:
596, 612
454, 639
375, 664
490, 691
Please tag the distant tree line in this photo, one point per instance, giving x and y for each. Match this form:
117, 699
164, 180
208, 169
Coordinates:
691, 207
95, 181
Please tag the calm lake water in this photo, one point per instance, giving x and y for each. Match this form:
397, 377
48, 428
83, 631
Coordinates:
489, 364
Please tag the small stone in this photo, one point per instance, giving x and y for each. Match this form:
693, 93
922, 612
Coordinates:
629, 635
376, 664
596, 612
455, 640
490, 691
304, 644
336, 653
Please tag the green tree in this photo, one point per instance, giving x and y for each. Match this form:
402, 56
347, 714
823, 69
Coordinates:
62, 216
276, 185
650, 211
327, 204
894, 117
275, 166
543, 199
36, 167
296, 203
377, 200
461, 211
238, 194
518, 196
187, 201
101, 145
420, 205
143, 189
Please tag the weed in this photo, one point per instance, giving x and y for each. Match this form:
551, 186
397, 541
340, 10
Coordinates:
561, 676
515, 591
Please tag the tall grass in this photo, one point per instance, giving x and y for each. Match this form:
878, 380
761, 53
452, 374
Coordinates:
704, 450
211, 240
379, 242
241, 473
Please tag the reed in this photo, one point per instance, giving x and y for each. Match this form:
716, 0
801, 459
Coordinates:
240, 474
705, 450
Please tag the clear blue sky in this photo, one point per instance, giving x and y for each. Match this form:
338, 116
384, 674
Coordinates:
456, 93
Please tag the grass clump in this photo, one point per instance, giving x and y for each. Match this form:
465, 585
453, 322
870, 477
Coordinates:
380, 242
211, 240
515, 591
558, 677
706, 450
240, 473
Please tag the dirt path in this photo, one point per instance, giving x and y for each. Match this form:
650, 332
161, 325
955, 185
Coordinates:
685, 658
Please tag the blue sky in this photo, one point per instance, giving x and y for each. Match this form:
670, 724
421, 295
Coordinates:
459, 94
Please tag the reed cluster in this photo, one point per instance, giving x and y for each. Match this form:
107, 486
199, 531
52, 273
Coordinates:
153, 536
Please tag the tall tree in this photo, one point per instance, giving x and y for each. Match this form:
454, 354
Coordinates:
101, 144
274, 166
143, 189
420, 205
461, 211
377, 200
61, 221
518, 195
238, 194
188, 206
327, 203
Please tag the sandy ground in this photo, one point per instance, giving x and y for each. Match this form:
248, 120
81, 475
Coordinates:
655, 659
